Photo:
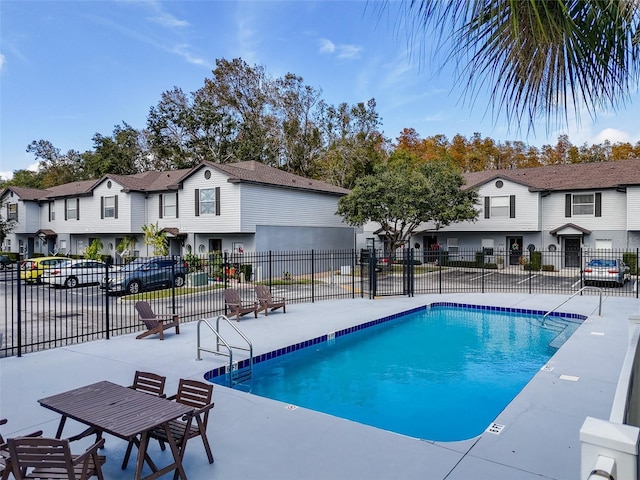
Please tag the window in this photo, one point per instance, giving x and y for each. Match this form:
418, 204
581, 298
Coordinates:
52, 211
503, 206
452, 246
487, 246
583, 204
72, 209
207, 201
604, 244
12, 211
109, 207
169, 205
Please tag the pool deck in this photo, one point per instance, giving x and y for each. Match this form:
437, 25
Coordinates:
257, 438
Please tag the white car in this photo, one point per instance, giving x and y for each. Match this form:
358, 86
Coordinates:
72, 273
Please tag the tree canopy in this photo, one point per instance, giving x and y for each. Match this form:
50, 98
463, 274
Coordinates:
241, 113
403, 194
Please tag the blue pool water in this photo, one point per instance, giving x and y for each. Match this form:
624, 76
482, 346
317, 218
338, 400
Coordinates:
442, 373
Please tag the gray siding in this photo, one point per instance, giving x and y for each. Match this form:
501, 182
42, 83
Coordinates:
281, 238
286, 207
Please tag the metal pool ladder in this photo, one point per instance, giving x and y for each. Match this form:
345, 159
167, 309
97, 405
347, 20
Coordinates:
236, 374
544, 317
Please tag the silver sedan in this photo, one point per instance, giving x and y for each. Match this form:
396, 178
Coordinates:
72, 273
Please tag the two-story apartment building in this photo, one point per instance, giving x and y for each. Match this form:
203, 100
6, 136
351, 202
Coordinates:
211, 207
564, 208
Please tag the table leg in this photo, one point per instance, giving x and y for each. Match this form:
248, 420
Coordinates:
142, 453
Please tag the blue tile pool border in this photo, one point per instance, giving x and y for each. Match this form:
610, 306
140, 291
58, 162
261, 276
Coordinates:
574, 317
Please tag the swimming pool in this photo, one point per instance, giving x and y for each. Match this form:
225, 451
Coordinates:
442, 372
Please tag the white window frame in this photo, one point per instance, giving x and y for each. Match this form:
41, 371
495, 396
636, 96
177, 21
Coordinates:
583, 208
604, 244
72, 209
500, 206
488, 246
452, 246
12, 211
170, 205
109, 207
207, 201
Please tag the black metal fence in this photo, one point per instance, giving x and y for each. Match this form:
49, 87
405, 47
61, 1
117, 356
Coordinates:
37, 316
559, 272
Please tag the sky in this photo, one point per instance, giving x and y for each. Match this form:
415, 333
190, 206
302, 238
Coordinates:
71, 69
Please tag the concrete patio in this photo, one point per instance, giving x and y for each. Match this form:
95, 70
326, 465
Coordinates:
257, 438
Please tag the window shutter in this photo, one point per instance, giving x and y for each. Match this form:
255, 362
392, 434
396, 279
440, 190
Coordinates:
217, 200
65, 209
487, 207
567, 205
101, 207
197, 202
512, 206
77, 209
115, 204
177, 214
598, 204
160, 204
49, 206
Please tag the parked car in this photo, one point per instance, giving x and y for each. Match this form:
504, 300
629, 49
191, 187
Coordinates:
146, 274
4, 262
72, 273
31, 269
606, 271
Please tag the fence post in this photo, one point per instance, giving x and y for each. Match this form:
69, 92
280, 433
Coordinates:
530, 271
105, 299
313, 288
482, 271
19, 309
439, 271
173, 283
353, 273
373, 274
412, 272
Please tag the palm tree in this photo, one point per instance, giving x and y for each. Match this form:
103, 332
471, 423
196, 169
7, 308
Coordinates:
538, 57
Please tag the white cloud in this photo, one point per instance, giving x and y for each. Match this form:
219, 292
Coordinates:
327, 46
349, 51
2, 61
613, 135
6, 175
341, 51
168, 20
183, 51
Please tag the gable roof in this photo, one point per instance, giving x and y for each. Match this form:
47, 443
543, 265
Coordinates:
259, 173
155, 181
25, 193
579, 176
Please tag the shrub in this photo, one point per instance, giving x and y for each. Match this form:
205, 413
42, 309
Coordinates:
631, 259
536, 260
548, 268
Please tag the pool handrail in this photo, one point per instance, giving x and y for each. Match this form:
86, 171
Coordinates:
544, 317
220, 341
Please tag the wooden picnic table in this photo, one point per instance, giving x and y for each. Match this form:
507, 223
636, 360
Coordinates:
124, 413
